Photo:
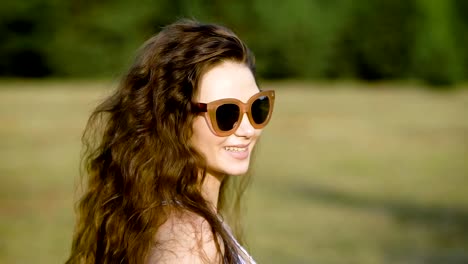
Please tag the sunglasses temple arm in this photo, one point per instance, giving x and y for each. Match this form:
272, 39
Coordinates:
200, 107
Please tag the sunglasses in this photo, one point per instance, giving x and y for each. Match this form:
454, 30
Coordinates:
225, 115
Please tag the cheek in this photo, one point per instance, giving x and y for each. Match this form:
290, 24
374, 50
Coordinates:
203, 139
198, 132
258, 132
256, 135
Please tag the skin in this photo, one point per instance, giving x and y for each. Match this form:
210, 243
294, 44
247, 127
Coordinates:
226, 80
186, 237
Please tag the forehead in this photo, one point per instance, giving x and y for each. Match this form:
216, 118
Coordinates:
227, 80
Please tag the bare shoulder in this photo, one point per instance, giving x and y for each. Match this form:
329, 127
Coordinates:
184, 238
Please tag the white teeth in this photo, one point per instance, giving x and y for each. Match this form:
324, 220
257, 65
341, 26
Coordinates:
235, 149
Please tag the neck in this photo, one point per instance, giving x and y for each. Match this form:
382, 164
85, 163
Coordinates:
210, 188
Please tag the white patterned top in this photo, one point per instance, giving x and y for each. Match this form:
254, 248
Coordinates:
243, 256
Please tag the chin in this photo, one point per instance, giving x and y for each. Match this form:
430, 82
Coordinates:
239, 169
229, 167
237, 172
230, 170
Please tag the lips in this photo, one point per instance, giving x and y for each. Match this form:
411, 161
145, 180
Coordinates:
239, 152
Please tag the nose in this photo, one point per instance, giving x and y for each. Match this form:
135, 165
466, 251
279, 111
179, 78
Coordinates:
245, 129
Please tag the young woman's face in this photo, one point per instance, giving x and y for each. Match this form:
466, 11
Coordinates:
230, 154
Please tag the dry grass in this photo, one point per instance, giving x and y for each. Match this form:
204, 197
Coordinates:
342, 175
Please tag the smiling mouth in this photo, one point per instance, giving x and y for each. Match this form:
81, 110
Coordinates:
236, 149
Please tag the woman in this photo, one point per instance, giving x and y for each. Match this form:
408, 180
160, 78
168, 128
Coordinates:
160, 149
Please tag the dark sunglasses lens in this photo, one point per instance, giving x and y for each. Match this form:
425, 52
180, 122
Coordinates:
227, 116
260, 109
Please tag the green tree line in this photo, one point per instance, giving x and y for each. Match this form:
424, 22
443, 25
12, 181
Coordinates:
304, 39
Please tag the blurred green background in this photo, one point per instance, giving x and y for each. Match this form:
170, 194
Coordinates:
326, 39
364, 161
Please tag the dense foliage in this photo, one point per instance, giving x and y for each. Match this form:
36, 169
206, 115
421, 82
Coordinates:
364, 39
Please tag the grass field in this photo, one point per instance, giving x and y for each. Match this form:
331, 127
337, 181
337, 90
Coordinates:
344, 174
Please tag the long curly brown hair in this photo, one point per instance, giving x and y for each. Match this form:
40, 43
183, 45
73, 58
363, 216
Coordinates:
137, 153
